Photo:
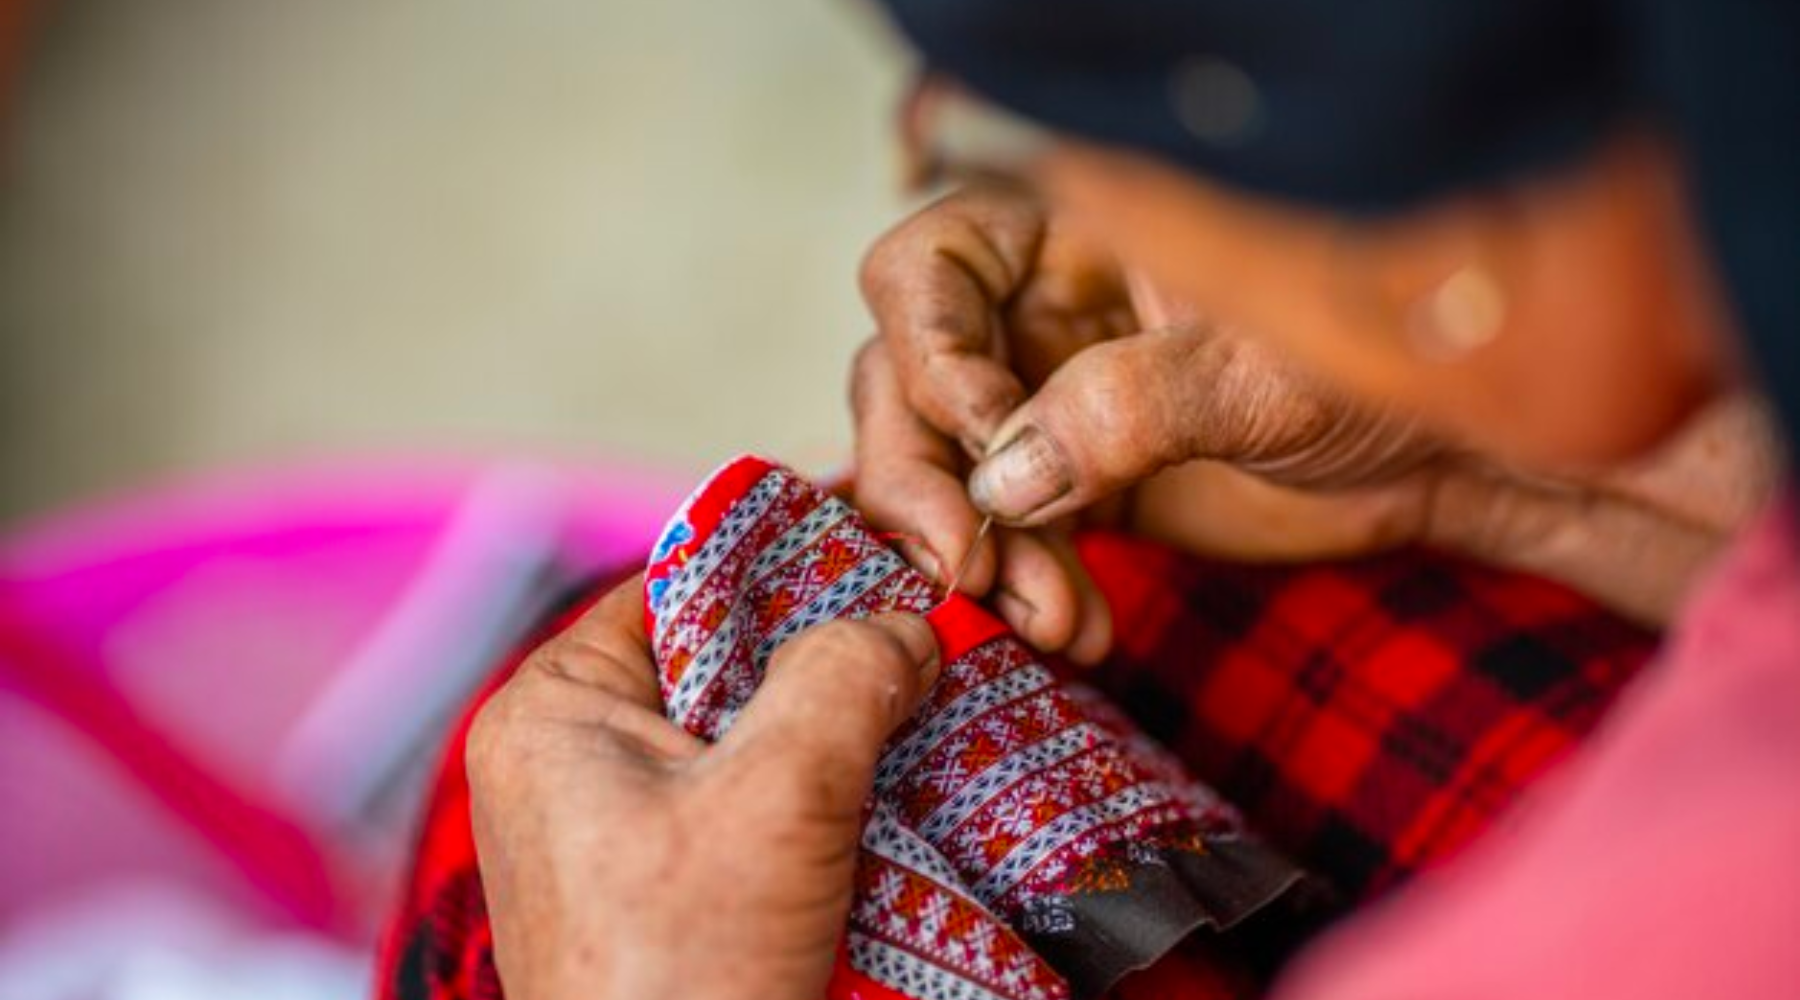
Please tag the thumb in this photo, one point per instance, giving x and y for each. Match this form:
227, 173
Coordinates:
832, 698
1111, 416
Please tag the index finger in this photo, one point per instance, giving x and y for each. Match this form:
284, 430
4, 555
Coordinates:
908, 479
936, 285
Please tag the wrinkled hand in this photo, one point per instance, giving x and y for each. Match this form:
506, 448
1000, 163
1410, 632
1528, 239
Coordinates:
623, 858
1011, 355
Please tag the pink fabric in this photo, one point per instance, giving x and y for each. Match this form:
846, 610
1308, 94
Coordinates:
193, 681
1663, 861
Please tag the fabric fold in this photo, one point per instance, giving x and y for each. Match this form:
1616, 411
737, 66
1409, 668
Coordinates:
1026, 841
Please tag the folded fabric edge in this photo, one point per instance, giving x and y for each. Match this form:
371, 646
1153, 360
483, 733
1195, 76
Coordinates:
1099, 935
961, 626
1097, 938
695, 519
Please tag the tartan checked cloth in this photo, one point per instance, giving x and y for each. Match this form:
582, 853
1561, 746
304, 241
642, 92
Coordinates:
1368, 717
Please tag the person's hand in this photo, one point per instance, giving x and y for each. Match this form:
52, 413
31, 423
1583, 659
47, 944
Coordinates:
1014, 356
1018, 372
623, 858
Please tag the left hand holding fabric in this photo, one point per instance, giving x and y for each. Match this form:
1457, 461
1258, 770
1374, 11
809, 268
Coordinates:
622, 857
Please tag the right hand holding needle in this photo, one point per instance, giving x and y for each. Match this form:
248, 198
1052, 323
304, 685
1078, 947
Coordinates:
1016, 374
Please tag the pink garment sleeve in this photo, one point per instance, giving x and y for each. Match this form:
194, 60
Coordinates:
1662, 862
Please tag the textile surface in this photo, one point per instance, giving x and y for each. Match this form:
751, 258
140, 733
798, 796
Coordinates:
1026, 841
1368, 717
1659, 865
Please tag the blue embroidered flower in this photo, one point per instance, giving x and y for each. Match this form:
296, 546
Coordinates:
678, 533
658, 592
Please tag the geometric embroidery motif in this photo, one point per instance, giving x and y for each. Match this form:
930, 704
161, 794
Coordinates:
1026, 842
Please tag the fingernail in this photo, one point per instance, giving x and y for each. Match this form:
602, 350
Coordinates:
918, 639
1026, 475
1016, 610
921, 559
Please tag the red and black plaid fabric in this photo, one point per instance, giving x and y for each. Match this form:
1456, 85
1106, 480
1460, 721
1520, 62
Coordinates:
439, 945
1368, 717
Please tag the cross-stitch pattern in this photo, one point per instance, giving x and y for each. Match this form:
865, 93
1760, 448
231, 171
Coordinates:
1026, 842
1370, 717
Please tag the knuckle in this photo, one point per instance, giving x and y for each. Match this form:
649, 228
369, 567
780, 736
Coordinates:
1061, 615
490, 746
1256, 407
1119, 412
872, 275
847, 642
867, 665
949, 325
995, 222
876, 645
894, 251
868, 369
1114, 371
1161, 385
1223, 370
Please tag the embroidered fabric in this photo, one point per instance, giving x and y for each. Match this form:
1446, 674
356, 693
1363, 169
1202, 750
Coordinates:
1369, 717
1026, 841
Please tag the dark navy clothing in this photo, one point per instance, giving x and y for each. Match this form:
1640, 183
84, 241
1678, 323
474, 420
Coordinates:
1370, 105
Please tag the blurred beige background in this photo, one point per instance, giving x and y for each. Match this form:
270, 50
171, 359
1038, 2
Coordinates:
255, 231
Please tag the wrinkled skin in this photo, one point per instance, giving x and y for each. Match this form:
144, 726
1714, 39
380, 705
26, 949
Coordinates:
1130, 345
1020, 370
622, 857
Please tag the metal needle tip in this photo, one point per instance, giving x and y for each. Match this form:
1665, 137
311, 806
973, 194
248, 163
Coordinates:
969, 556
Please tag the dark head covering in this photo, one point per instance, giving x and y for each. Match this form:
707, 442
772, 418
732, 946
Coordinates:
1373, 105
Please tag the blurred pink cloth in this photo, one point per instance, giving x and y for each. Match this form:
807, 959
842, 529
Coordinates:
227, 684
1662, 861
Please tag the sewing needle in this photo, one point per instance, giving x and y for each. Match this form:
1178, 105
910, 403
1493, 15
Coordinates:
969, 556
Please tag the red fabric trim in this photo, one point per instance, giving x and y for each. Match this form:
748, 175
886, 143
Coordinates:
962, 625
703, 514
849, 984
1269, 681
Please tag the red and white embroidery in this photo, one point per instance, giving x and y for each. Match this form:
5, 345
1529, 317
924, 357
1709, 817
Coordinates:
1007, 792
